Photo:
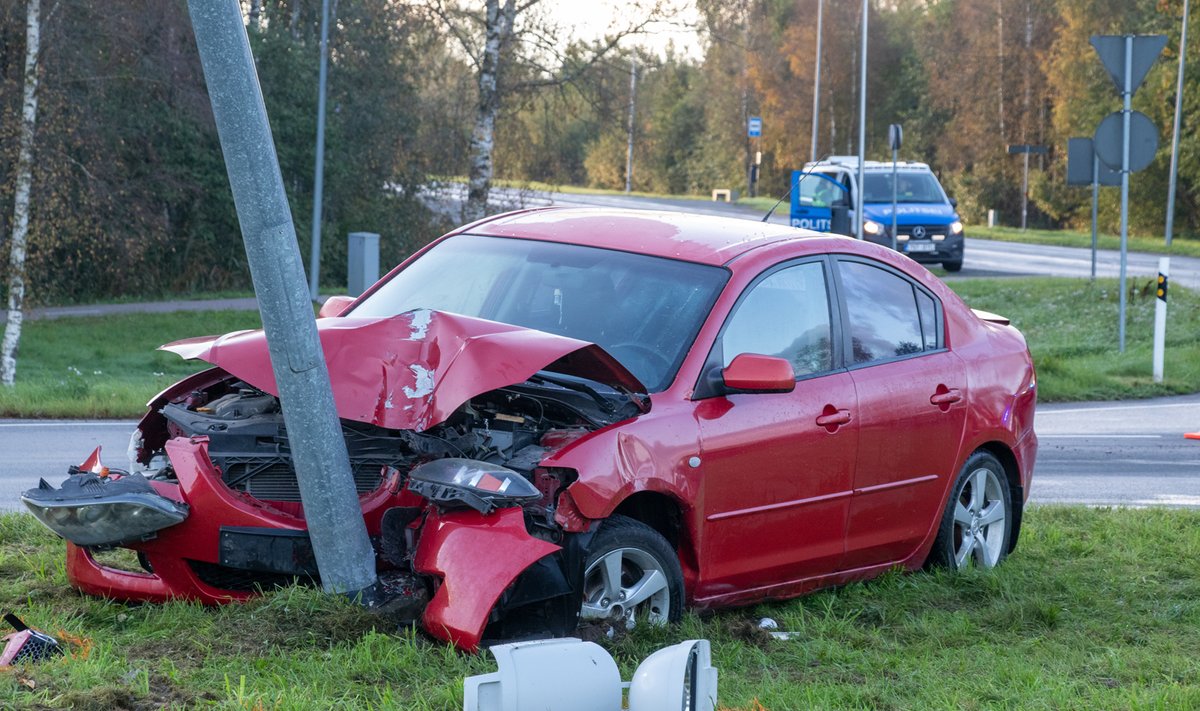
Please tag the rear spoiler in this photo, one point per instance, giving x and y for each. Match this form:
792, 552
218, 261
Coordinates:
991, 317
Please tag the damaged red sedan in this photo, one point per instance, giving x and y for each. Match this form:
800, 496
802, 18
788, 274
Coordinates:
567, 415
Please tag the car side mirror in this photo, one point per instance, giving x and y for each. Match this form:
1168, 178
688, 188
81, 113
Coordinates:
334, 306
754, 373
954, 203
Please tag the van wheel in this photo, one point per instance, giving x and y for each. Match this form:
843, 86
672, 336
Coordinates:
955, 266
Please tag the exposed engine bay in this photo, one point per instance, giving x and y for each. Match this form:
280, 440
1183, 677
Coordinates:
513, 427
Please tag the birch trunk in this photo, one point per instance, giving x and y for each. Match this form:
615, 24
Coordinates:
483, 141
20, 232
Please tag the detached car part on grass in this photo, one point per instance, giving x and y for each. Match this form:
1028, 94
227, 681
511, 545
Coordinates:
605, 416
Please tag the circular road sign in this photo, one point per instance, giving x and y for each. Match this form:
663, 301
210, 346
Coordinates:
1143, 140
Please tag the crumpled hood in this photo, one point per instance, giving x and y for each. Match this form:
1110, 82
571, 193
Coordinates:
412, 371
913, 213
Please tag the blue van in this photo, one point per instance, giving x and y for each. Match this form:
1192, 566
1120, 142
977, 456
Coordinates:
927, 227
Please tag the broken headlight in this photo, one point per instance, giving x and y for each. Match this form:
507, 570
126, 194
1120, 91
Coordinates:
470, 482
90, 510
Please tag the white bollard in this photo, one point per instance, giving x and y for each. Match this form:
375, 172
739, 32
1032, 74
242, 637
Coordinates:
1160, 317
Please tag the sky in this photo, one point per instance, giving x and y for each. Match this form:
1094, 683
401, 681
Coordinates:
590, 19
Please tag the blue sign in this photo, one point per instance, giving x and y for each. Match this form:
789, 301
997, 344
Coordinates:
812, 200
754, 127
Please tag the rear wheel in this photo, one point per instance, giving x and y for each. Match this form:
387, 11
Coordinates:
631, 576
977, 523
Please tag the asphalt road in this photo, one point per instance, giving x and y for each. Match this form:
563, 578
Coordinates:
1126, 454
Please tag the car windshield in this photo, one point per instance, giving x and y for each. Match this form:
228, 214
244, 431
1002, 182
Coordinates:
645, 311
910, 187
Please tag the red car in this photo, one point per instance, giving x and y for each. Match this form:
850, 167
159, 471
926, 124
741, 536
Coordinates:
577, 414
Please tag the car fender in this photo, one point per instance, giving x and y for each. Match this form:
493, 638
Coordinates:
476, 557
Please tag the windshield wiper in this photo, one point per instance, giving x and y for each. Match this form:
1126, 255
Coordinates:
604, 403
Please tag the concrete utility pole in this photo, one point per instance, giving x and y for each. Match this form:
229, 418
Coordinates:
816, 85
335, 524
1175, 139
862, 129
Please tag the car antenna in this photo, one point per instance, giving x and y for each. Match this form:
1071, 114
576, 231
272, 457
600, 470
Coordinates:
788, 194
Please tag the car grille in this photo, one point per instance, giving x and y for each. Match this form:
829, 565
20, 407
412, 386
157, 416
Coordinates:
275, 480
237, 580
930, 230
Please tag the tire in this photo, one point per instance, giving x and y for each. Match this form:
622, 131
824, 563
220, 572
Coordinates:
955, 266
648, 570
977, 524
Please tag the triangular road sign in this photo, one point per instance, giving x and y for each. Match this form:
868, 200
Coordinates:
1111, 49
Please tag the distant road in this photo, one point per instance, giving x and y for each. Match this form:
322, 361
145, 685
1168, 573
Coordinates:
981, 258
1109, 453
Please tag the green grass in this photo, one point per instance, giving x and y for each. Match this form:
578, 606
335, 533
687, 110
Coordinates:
106, 366
1097, 609
1180, 246
1071, 328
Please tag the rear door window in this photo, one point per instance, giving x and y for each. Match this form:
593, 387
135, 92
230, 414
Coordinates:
888, 315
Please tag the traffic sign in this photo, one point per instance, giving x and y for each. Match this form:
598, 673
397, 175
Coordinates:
1080, 156
1111, 49
754, 127
1143, 140
895, 136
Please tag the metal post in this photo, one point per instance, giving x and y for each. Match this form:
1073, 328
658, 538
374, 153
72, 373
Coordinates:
894, 189
1160, 317
1127, 95
862, 129
314, 272
629, 148
335, 523
816, 85
1095, 204
1175, 139
1025, 191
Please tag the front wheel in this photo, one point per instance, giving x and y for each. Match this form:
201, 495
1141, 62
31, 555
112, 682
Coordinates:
953, 266
977, 524
631, 576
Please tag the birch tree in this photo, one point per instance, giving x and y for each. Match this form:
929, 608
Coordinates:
512, 35
24, 183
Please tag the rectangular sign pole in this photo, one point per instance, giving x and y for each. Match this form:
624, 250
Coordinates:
1127, 96
1095, 203
1160, 317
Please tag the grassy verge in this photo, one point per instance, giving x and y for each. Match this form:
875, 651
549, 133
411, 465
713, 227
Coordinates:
106, 366
1097, 609
1068, 238
1071, 327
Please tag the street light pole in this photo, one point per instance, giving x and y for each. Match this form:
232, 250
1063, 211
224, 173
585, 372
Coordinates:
816, 86
314, 272
862, 129
632, 111
1175, 140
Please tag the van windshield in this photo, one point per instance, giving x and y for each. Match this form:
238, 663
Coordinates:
910, 187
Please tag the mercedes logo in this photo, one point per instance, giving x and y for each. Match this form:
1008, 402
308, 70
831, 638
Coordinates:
918, 232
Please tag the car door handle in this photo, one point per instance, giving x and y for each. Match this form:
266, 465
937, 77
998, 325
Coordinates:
833, 418
945, 396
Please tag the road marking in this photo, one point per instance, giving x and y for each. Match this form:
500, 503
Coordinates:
130, 423
1093, 435
1042, 413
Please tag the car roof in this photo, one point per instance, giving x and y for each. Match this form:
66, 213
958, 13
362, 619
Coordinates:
677, 235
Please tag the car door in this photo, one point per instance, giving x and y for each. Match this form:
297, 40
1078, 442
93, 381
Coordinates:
777, 467
911, 410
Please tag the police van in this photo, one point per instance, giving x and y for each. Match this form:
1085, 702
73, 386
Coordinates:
825, 196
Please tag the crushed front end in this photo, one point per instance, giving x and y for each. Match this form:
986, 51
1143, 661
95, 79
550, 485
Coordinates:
458, 508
